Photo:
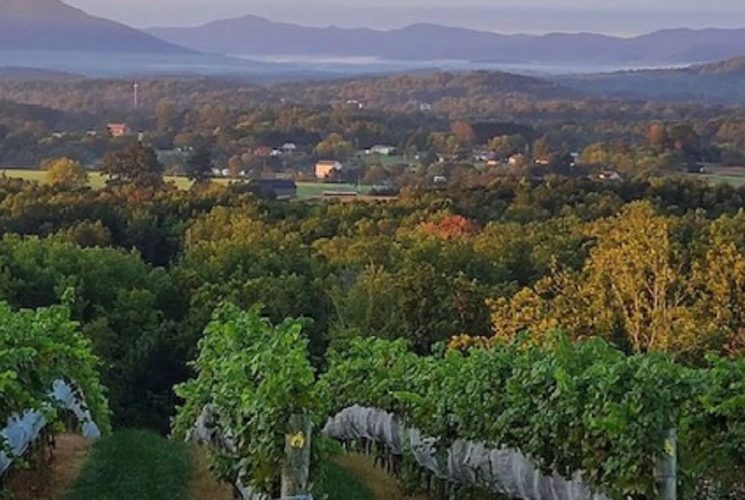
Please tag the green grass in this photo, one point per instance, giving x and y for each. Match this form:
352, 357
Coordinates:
305, 190
134, 465
732, 175
339, 484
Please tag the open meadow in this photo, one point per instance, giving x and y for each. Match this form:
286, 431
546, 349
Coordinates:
305, 190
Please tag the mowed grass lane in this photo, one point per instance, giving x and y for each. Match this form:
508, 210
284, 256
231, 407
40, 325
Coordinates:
141, 465
131, 465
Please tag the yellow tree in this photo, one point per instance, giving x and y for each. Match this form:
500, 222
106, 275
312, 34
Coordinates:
631, 289
554, 302
719, 282
635, 281
65, 173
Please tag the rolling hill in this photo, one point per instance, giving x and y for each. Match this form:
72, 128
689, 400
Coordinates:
713, 83
51, 25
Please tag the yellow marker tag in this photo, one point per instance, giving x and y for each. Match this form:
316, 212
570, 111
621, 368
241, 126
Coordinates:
669, 448
297, 440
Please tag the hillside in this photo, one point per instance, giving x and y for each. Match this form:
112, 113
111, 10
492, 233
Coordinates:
22, 73
715, 83
51, 25
733, 67
414, 90
252, 35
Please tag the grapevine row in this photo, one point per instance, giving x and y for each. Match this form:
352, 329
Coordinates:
46, 369
573, 408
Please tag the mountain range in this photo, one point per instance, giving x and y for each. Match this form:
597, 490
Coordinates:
256, 36
51, 35
51, 25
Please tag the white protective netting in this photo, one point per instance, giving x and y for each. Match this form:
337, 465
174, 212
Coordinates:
208, 432
504, 471
22, 430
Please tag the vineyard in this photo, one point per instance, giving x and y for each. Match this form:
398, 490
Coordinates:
563, 420
585, 412
48, 378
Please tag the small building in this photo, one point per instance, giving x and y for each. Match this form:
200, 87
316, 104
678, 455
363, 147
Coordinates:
326, 169
263, 152
118, 129
425, 107
608, 176
695, 168
382, 149
517, 160
274, 189
220, 172
289, 148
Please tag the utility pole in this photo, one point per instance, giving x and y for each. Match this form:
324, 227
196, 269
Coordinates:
136, 95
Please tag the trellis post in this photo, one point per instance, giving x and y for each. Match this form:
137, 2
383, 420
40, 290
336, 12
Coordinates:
668, 467
296, 467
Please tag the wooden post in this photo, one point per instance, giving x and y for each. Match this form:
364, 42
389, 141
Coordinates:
296, 468
668, 467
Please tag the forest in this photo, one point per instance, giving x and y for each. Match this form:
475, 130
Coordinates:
461, 119
651, 267
508, 299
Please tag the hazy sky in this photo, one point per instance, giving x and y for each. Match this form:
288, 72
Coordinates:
510, 16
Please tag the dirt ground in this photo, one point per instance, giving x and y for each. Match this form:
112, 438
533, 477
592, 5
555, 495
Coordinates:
383, 486
50, 481
204, 486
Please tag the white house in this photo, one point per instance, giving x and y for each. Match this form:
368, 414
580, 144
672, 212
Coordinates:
289, 147
382, 149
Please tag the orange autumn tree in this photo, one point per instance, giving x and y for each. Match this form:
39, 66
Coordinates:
452, 227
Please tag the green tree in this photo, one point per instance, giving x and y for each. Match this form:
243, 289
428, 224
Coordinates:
137, 165
199, 165
65, 173
507, 145
334, 147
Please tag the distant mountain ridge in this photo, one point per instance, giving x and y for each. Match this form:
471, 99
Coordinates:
52, 25
23, 73
257, 36
713, 83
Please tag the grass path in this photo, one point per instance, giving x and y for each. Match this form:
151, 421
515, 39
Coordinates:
141, 465
134, 465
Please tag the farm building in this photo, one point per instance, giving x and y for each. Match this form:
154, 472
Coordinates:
276, 189
327, 169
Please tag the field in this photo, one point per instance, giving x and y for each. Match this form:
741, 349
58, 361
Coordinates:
306, 190
716, 174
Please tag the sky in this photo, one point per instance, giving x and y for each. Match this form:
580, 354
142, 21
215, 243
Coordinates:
506, 16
